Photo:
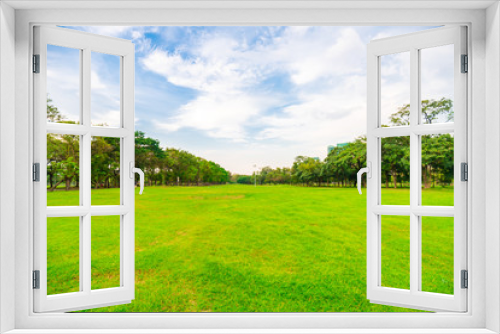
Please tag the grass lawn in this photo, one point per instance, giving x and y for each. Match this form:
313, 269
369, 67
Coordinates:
239, 248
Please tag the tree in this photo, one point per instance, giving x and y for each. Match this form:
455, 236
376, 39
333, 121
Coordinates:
396, 159
172, 166
53, 114
431, 110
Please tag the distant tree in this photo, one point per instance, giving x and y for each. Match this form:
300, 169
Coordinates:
437, 162
172, 166
53, 114
431, 110
396, 159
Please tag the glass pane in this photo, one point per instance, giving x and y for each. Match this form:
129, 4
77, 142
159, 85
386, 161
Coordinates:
437, 254
437, 169
63, 255
63, 170
105, 90
105, 252
395, 89
105, 164
63, 84
395, 170
396, 251
437, 84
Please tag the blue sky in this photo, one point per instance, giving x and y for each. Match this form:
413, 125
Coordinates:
245, 95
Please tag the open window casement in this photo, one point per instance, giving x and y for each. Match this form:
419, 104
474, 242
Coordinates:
87, 216
417, 128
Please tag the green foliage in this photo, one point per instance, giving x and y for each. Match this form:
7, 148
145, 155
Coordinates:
177, 167
343, 162
63, 156
432, 110
161, 166
105, 162
395, 160
437, 162
239, 248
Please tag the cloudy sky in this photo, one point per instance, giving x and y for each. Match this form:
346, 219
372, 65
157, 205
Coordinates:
244, 95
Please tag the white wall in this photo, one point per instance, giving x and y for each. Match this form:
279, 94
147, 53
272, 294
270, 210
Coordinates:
7, 160
23, 156
492, 164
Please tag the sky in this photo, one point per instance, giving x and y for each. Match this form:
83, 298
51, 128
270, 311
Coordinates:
245, 96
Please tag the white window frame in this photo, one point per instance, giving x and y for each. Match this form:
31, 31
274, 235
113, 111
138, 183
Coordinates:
414, 297
85, 297
483, 248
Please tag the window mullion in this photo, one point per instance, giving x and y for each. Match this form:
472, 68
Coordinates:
85, 155
414, 172
85, 174
85, 241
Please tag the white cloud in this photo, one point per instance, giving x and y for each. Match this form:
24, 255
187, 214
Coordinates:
109, 117
225, 102
135, 33
207, 74
111, 31
337, 115
126, 32
325, 104
311, 53
63, 86
227, 73
394, 84
105, 99
437, 72
96, 81
220, 115
436, 78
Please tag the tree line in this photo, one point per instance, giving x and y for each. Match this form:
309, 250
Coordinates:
161, 166
169, 166
340, 167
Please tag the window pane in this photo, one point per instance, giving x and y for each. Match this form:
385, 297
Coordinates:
437, 169
395, 89
63, 255
396, 251
105, 164
395, 170
437, 84
63, 84
105, 252
63, 170
105, 90
437, 254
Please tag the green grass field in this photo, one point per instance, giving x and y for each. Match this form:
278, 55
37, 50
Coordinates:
238, 248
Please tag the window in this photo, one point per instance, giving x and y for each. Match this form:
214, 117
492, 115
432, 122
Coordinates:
105, 275
421, 130
88, 224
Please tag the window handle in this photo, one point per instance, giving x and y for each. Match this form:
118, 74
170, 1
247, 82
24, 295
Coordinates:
368, 171
134, 170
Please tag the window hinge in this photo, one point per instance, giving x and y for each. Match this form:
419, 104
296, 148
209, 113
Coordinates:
465, 279
36, 279
465, 64
36, 63
36, 172
464, 172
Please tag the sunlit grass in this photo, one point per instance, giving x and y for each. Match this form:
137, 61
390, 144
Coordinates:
240, 248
